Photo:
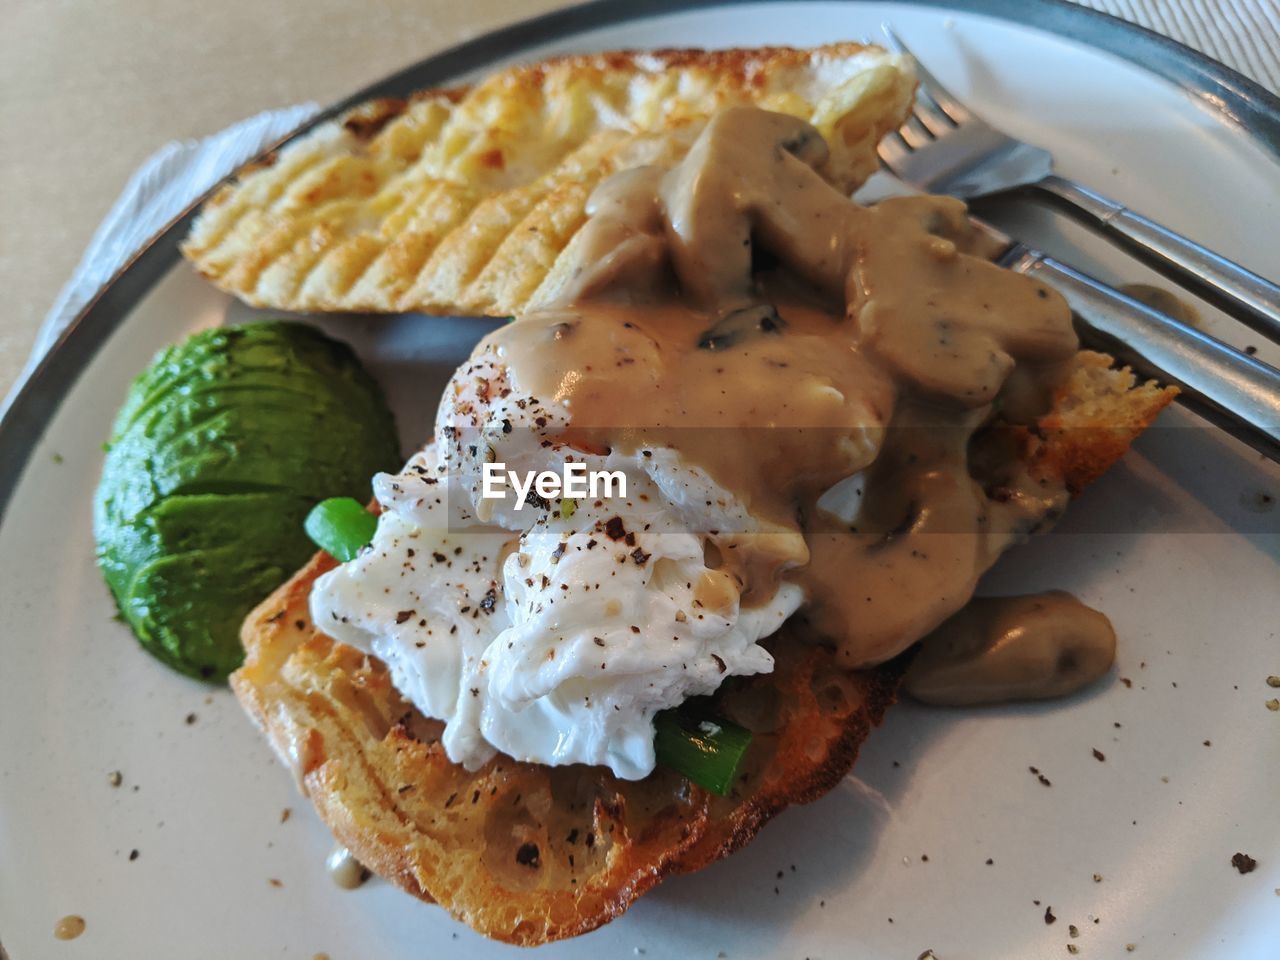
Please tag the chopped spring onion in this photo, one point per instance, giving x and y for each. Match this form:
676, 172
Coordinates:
706, 749
340, 526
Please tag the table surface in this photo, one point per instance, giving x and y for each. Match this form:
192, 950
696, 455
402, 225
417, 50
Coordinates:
89, 89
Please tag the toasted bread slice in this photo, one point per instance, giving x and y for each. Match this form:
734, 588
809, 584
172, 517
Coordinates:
461, 201
529, 854
521, 852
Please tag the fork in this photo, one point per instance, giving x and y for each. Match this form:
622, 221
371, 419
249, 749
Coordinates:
1238, 393
945, 148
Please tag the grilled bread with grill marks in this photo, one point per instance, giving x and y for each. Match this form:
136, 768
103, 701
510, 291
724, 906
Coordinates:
461, 201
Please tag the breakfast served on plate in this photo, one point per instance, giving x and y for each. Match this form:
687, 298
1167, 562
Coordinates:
819, 422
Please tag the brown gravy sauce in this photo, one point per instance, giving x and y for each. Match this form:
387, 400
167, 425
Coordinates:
344, 869
1013, 648
69, 927
737, 308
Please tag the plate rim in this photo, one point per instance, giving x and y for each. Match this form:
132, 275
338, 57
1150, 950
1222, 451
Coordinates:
1236, 100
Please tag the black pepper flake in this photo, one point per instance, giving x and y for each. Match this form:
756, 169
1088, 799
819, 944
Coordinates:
490, 600
720, 664
640, 557
133, 855
1099, 755
528, 855
598, 641
614, 528
405, 615
1243, 862
191, 718
439, 557
1048, 915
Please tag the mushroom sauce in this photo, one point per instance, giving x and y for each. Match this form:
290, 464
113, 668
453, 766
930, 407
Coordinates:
841, 369
821, 409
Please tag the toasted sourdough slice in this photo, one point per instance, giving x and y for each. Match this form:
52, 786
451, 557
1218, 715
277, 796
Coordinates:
528, 853
461, 201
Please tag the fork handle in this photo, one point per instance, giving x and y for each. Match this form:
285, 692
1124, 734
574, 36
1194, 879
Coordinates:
1234, 391
1251, 299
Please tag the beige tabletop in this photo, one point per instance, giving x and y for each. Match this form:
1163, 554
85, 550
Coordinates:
89, 89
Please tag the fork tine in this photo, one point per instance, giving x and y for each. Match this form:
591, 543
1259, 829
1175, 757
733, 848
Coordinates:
915, 133
931, 118
930, 87
892, 150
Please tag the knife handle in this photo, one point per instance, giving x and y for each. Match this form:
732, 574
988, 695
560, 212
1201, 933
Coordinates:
1251, 299
1235, 392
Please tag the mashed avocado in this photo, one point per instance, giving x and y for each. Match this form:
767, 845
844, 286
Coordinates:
221, 448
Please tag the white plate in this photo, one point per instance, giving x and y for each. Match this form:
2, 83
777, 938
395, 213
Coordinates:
1176, 544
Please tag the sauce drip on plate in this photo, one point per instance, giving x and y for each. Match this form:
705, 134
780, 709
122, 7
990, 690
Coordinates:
69, 927
344, 869
1013, 648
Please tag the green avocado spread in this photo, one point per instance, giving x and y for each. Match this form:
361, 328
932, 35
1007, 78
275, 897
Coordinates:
222, 447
